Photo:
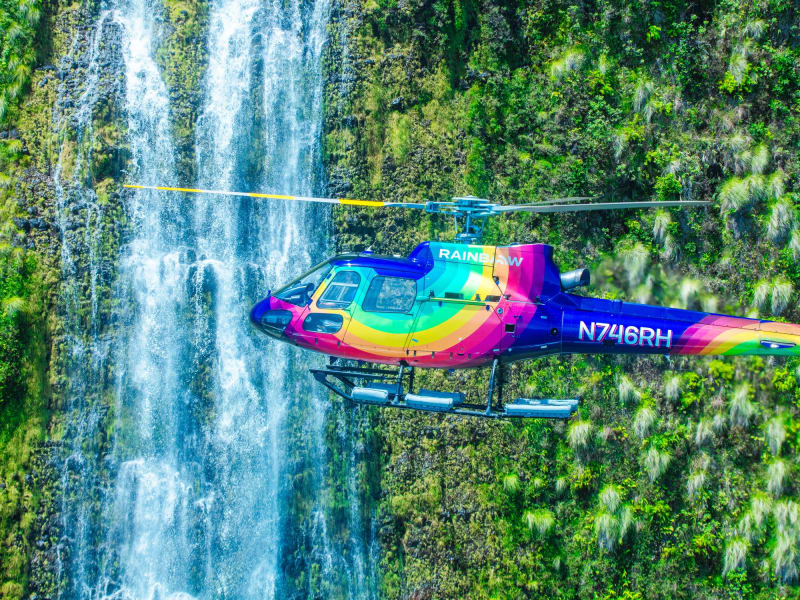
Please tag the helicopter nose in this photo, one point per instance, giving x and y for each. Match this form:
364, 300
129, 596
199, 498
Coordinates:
269, 320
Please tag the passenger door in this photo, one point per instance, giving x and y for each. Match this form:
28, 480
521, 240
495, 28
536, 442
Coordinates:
382, 321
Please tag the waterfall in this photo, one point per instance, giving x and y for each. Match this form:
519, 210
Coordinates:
216, 481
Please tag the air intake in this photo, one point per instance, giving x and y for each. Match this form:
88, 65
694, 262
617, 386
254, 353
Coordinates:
575, 279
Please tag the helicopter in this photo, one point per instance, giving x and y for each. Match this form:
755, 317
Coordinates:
461, 304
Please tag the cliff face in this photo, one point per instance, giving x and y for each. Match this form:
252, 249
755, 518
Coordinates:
677, 479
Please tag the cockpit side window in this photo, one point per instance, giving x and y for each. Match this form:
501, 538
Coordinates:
390, 294
340, 291
300, 290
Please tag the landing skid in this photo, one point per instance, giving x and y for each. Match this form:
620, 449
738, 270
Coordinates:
393, 388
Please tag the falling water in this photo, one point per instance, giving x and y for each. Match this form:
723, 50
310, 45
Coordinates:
218, 477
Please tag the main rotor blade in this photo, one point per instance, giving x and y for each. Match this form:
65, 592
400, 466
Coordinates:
346, 201
563, 208
565, 200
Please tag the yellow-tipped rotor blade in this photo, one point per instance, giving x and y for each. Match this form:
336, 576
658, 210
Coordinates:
346, 201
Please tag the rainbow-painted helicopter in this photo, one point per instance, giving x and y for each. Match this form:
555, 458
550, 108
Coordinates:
461, 305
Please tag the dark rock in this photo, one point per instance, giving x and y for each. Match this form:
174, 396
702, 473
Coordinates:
714, 171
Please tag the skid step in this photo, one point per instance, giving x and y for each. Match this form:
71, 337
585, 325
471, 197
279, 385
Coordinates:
374, 393
541, 408
434, 401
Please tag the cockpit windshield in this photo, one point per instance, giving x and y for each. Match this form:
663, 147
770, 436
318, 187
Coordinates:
300, 290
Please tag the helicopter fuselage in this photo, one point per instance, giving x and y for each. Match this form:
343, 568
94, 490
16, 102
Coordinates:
459, 306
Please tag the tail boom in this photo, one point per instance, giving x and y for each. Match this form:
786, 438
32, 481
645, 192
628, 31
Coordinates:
604, 326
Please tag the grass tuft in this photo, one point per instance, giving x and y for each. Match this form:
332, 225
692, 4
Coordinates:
695, 483
511, 483
741, 409
776, 476
781, 220
643, 421
672, 388
570, 61
775, 434
540, 521
578, 434
610, 498
781, 295
735, 555
704, 432
605, 528
656, 463
627, 391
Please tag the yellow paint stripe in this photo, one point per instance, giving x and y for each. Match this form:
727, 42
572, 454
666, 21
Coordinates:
346, 201
361, 202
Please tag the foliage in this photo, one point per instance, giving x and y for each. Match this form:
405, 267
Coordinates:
18, 28
651, 482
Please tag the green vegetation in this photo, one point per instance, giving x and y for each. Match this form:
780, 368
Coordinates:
676, 480
23, 413
18, 21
